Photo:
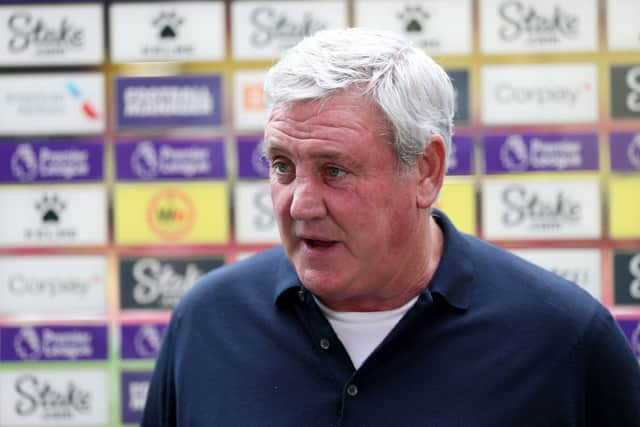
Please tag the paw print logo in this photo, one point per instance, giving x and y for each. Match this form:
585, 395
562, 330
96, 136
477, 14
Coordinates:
413, 18
50, 208
167, 23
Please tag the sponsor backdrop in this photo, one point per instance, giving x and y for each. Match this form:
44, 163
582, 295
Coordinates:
131, 164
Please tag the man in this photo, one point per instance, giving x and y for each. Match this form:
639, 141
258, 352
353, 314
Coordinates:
377, 311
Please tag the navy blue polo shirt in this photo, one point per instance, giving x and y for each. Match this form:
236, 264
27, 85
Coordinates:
492, 341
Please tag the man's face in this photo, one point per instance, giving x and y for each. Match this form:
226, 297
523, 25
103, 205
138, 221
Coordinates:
347, 219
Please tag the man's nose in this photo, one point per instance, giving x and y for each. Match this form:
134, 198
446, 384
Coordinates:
307, 202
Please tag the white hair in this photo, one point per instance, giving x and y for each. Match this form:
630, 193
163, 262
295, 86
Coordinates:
413, 92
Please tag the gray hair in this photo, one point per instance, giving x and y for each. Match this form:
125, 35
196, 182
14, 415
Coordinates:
414, 93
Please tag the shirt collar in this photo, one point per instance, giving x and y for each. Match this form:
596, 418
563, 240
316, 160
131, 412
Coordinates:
451, 279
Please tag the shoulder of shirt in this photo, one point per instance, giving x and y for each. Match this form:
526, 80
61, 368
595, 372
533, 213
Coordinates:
519, 288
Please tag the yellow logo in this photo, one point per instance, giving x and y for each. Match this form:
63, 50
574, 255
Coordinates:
172, 213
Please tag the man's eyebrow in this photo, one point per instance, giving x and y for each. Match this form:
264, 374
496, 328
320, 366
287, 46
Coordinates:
273, 147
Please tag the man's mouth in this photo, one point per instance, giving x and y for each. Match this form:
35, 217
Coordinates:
318, 244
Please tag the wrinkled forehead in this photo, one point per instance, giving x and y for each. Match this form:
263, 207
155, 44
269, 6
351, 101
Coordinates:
348, 109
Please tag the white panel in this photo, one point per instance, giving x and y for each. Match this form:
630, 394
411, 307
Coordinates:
265, 29
53, 398
60, 103
623, 31
53, 216
51, 35
537, 26
254, 217
57, 285
539, 94
171, 31
427, 23
249, 110
581, 266
558, 209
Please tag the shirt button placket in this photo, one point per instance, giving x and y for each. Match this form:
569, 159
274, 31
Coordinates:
352, 390
325, 344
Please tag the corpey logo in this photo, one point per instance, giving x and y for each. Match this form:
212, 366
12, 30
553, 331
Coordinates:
52, 344
25, 285
524, 21
542, 212
27, 165
38, 396
171, 214
28, 31
518, 94
156, 281
147, 341
272, 26
561, 154
149, 161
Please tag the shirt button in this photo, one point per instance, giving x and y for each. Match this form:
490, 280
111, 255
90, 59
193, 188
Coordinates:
352, 390
325, 344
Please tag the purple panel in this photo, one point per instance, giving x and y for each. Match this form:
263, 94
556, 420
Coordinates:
631, 329
134, 386
51, 161
461, 156
141, 341
160, 102
49, 343
624, 150
540, 152
251, 160
169, 159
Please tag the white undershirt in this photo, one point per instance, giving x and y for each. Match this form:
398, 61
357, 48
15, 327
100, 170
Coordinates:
361, 332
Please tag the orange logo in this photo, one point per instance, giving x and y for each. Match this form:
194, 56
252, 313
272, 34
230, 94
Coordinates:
171, 214
253, 97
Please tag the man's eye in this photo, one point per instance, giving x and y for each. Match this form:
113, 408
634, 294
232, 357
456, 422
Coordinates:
334, 172
281, 167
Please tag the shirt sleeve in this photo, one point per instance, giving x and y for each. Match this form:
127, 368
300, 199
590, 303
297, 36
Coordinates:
613, 375
160, 407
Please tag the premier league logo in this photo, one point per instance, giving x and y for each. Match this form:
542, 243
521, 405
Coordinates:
144, 160
24, 163
514, 153
27, 344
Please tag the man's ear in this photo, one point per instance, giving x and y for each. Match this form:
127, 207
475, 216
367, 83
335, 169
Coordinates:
431, 169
